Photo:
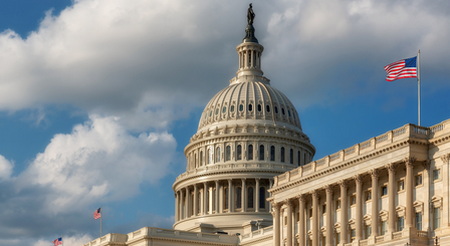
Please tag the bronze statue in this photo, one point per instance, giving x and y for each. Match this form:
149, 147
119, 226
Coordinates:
250, 15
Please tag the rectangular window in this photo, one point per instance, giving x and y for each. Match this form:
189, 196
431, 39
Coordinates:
353, 200
368, 195
436, 218
400, 223
436, 174
352, 235
418, 180
418, 221
384, 190
338, 204
400, 185
367, 231
383, 227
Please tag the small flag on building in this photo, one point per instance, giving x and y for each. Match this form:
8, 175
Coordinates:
405, 68
98, 213
57, 241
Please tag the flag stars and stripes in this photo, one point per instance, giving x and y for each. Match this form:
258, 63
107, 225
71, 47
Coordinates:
405, 68
98, 213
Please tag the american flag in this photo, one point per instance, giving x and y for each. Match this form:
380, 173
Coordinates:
57, 241
98, 213
405, 68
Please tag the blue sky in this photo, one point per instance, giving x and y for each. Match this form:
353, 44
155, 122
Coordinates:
99, 97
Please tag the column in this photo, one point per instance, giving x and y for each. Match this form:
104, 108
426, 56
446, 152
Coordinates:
344, 211
375, 194
301, 220
329, 225
391, 193
230, 190
243, 195
315, 222
257, 195
289, 227
276, 224
409, 183
216, 207
176, 207
205, 198
186, 202
358, 216
195, 200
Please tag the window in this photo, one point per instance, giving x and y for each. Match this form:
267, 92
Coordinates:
338, 204
436, 174
250, 152
436, 218
272, 153
241, 107
228, 153
238, 198
232, 108
239, 152
218, 154
261, 152
282, 154
384, 190
352, 235
298, 158
250, 107
400, 185
250, 197
224, 109
400, 223
367, 231
208, 156
259, 108
262, 197
276, 110
383, 227
418, 221
291, 156
324, 208
352, 199
267, 108
201, 158
418, 180
368, 195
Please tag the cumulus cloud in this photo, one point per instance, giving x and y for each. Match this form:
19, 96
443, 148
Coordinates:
99, 162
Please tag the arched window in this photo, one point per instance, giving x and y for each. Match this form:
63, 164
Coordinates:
195, 161
259, 108
261, 152
208, 156
250, 197
298, 158
250, 152
238, 198
262, 197
227, 153
239, 152
218, 154
272, 153
201, 158
250, 107
291, 156
282, 154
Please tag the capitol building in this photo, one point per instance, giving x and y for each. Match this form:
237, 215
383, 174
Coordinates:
250, 178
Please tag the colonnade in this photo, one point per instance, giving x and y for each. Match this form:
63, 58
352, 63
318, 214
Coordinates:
222, 196
334, 214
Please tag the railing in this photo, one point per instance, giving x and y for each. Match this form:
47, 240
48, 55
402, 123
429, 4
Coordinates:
399, 134
258, 233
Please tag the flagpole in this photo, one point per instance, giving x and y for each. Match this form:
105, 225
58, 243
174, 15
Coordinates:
101, 222
418, 86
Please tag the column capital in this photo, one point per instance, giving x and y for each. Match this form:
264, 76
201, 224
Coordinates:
288, 202
358, 179
301, 197
374, 173
328, 189
342, 183
409, 161
446, 158
391, 167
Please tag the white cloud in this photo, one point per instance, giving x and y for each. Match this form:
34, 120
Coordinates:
68, 241
98, 162
6, 168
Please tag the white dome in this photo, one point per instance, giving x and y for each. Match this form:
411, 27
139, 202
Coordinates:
250, 100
